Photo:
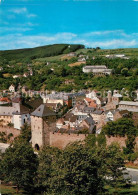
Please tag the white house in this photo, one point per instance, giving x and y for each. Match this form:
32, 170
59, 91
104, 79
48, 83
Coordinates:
93, 96
21, 116
97, 70
12, 88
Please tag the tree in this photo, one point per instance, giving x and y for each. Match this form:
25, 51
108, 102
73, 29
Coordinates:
80, 173
25, 133
115, 166
48, 158
19, 165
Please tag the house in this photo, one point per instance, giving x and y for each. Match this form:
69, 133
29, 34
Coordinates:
97, 115
128, 105
6, 115
17, 114
90, 103
109, 115
31, 72
113, 115
88, 110
26, 74
60, 122
81, 56
97, 70
92, 95
79, 111
21, 116
81, 59
62, 98
54, 106
72, 54
16, 76
122, 56
48, 63
88, 124
69, 82
4, 100
12, 88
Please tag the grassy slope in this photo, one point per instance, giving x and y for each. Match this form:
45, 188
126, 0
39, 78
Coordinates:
39, 52
55, 52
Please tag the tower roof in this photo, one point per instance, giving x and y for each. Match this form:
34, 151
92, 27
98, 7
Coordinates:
43, 111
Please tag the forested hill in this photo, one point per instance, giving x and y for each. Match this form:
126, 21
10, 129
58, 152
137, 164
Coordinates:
39, 52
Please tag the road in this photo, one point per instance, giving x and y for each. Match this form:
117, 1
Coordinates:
3, 147
133, 174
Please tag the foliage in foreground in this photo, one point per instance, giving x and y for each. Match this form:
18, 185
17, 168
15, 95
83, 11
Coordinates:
80, 168
19, 165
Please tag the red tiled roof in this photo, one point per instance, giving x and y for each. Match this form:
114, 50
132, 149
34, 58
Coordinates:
91, 102
5, 99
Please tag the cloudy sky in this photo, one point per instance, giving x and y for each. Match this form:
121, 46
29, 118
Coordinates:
103, 23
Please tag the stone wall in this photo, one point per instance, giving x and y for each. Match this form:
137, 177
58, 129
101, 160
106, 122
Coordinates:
62, 140
9, 130
120, 141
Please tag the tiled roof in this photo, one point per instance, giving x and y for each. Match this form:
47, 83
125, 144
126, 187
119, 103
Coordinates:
5, 99
43, 111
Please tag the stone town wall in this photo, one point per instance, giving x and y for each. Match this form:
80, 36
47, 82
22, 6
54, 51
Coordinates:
9, 130
62, 140
120, 141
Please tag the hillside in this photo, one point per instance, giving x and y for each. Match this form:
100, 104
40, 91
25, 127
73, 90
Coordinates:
39, 52
50, 68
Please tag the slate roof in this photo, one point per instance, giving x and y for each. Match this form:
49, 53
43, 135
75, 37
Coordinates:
99, 112
6, 111
89, 120
89, 109
43, 111
23, 110
34, 104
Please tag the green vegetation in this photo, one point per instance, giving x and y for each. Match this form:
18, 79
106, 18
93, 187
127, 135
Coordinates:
39, 52
19, 163
81, 168
51, 71
123, 127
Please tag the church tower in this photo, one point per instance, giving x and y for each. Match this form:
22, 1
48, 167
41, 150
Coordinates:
109, 96
42, 123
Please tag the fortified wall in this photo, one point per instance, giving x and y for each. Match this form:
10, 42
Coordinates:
62, 140
120, 141
9, 130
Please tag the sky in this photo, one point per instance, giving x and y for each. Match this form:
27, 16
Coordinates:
94, 23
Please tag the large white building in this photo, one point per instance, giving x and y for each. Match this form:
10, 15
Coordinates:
17, 114
97, 70
128, 105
